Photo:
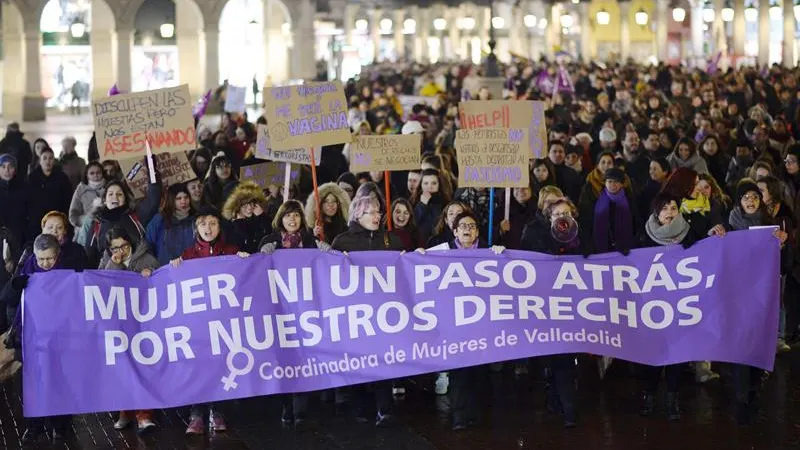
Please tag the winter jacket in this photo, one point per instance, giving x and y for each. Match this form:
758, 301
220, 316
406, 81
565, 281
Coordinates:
215, 194
168, 240
247, 233
73, 166
718, 166
519, 216
139, 260
357, 238
336, 226
737, 170
426, 216
203, 249
45, 194
410, 239
15, 144
92, 234
84, 201
14, 207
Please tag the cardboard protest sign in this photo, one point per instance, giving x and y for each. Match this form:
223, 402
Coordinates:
309, 115
508, 114
234, 99
408, 102
492, 157
295, 156
164, 117
174, 168
385, 152
269, 173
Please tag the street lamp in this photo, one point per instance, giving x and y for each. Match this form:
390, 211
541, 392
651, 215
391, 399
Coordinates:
498, 22
467, 23
529, 20
566, 20
386, 25
77, 29
167, 30
409, 26
491, 69
751, 13
678, 14
603, 17
542, 23
641, 17
708, 13
439, 24
775, 12
727, 13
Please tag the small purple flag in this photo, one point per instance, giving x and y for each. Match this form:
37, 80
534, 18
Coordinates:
199, 109
545, 83
713, 64
114, 90
564, 81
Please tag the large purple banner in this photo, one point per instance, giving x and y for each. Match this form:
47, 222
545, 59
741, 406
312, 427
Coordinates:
304, 320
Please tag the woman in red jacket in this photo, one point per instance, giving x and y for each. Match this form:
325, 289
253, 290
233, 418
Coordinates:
209, 241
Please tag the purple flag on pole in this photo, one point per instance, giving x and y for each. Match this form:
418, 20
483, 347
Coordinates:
545, 83
114, 90
304, 320
713, 65
564, 81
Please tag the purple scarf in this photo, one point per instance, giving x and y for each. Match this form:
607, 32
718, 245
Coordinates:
30, 266
459, 245
623, 222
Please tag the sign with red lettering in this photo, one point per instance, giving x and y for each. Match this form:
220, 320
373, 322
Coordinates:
173, 168
508, 114
124, 122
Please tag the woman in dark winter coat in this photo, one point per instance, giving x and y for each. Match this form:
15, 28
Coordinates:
749, 211
366, 232
659, 172
117, 209
292, 232
521, 211
404, 225
170, 232
220, 182
45, 257
245, 208
611, 223
443, 231
335, 208
560, 236
49, 189
463, 391
664, 226
717, 160
428, 202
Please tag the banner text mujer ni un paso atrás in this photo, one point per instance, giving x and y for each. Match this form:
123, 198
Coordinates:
304, 320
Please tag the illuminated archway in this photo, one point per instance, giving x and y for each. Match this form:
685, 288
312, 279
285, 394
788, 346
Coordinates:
154, 60
241, 44
66, 53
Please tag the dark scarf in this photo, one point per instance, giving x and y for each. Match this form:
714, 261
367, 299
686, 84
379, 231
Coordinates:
740, 220
291, 240
113, 215
623, 222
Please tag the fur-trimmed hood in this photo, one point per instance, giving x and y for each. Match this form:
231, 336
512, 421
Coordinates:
246, 192
324, 191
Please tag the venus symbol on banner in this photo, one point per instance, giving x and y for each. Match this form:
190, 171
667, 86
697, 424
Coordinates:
229, 381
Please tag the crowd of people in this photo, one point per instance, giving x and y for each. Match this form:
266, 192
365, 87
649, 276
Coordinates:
636, 157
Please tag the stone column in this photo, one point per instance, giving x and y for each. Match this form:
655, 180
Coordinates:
104, 61
13, 79
586, 33
303, 52
191, 50
739, 27
698, 53
624, 30
454, 35
375, 32
763, 32
124, 50
788, 34
424, 24
662, 24
350, 12
399, 37
553, 35
720, 36
212, 80
33, 102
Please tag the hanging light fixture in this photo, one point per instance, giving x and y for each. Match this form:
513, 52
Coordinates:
797, 11
467, 23
498, 22
409, 26
566, 20
439, 24
529, 20
386, 25
167, 30
708, 13
641, 17
361, 25
678, 14
542, 23
727, 13
751, 13
775, 12
603, 17
77, 29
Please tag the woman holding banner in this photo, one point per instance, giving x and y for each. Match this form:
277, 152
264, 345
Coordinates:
366, 232
559, 236
170, 231
443, 231
664, 226
405, 226
245, 208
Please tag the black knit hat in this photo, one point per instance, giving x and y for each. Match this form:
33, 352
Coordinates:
747, 186
615, 174
208, 211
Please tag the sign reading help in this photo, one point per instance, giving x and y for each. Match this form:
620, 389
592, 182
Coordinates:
174, 168
124, 122
309, 115
269, 173
508, 114
295, 156
493, 157
385, 152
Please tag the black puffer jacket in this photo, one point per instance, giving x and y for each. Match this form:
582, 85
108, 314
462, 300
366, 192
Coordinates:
45, 194
357, 239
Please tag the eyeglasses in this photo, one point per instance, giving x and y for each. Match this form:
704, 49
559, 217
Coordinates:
752, 197
790, 161
467, 227
119, 249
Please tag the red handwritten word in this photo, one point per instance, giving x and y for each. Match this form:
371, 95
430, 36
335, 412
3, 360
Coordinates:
134, 142
500, 118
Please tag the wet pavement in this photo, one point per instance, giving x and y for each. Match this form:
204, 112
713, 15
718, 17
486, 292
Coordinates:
514, 418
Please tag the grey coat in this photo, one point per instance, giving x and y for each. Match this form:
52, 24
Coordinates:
141, 259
